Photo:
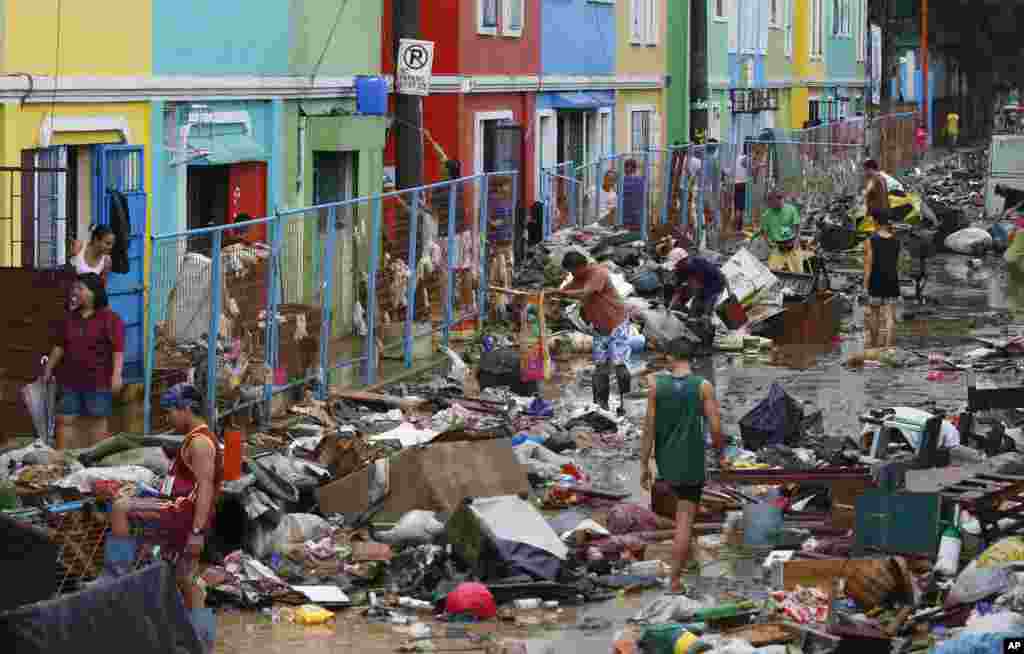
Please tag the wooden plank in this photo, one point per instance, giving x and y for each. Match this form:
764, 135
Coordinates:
821, 573
406, 404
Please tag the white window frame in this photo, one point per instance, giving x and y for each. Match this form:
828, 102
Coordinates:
479, 118
651, 130
837, 17
723, 15
548, 133
763, 25
733, 18
861, 31
644, 12
487, 30
817, 40
848, 18
506, 19
607, 138
774, 12
788, 37
748, 27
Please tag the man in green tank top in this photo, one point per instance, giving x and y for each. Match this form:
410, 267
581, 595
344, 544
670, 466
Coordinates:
678, 404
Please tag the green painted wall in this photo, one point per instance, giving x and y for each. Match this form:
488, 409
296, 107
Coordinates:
355, 48
325, 132
678, 94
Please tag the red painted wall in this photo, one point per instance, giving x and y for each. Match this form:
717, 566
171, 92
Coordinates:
439, 22
523, 107
499, 55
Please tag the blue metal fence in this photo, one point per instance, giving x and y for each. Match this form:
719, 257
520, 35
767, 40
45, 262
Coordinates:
309, 297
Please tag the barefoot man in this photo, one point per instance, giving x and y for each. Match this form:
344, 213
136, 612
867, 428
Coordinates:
679, 405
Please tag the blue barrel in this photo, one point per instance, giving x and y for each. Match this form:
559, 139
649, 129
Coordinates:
371, 95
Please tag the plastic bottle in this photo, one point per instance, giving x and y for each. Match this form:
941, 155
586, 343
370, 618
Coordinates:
948, 563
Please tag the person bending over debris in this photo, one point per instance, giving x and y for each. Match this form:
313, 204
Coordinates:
876, 189
678, 404
604, 309
881, 283
178, 524
698, 278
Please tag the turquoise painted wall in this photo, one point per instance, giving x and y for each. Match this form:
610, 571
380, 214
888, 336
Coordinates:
222, 37
841, 64
677, 95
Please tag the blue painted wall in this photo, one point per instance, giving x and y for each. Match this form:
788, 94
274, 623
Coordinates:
221, 37
577, 37
167, 200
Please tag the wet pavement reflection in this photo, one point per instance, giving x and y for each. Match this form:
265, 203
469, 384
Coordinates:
966, 300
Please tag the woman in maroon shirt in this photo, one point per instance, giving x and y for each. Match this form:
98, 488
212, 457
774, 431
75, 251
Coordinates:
88, 359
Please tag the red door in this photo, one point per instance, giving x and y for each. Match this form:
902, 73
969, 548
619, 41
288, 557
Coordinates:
247, 193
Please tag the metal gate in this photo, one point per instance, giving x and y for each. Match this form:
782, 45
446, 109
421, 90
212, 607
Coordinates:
121, 169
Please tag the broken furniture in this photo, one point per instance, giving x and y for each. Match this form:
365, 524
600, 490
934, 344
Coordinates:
986, 399
992, 499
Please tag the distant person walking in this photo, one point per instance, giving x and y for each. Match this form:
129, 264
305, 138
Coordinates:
953, 129
881, 283
921, 141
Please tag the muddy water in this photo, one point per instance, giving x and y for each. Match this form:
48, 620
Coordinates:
965, 301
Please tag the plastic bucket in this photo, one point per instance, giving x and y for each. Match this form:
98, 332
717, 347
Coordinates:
762, 525
232, 454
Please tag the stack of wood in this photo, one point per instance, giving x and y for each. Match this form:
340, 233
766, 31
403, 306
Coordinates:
31, 322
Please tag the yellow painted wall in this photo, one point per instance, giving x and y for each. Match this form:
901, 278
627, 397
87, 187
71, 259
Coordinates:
21, 130
623, 100
97, 37
640, 59
799, 109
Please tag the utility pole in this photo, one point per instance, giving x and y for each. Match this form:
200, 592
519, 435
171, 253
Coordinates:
699, 116
925, 86
408, 124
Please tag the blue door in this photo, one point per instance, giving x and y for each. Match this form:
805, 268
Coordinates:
121, 168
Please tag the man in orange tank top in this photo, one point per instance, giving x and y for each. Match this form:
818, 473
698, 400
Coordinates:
179, 520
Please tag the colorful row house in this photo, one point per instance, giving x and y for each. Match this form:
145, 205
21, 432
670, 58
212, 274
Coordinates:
772, 65
194, 121
579, 80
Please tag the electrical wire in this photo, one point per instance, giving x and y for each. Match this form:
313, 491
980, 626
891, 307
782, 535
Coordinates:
330, 37
56, 68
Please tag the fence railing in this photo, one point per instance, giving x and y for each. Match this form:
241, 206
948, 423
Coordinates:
896, 140
706, 189
332, 294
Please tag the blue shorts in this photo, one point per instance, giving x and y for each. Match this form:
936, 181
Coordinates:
88, 404
614, 348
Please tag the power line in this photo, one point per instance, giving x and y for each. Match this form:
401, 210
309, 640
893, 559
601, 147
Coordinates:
330, 37
56, 68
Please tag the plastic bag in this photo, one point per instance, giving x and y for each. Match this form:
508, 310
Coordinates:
774, 421
415, 528
974, 644
976, 583
40, 399
1007, 550
1003, 621
151, 458
299, 528
459, 367
972, 241
662, 327
83, 480
534, 357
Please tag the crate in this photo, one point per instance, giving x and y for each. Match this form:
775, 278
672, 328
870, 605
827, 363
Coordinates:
800, 285
79, 531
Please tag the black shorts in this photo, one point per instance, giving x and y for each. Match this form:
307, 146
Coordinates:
740, 197
688, 492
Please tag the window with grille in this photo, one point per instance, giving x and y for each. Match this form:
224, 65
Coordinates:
789, 27
773, 13
643, 22
513, 18
640, 130
487, 16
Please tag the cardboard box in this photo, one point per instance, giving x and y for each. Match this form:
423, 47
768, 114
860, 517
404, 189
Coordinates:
437, 477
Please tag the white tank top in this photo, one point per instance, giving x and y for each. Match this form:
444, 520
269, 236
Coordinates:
82, 266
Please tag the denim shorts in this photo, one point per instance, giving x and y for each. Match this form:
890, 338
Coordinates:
88, 404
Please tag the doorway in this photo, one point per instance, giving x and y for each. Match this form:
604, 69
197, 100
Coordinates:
207, 203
